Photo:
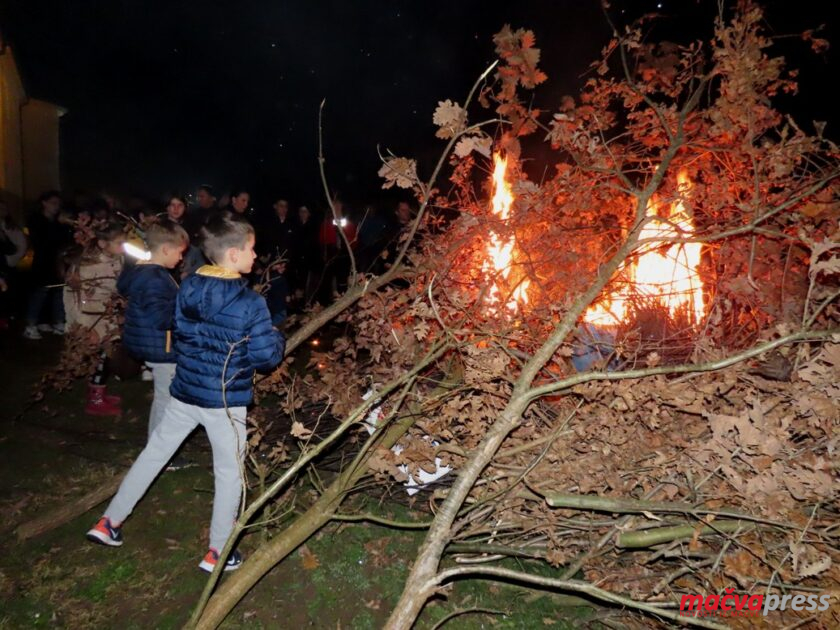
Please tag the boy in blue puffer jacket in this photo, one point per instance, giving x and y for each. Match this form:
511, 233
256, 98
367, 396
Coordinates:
223, 334
151, 292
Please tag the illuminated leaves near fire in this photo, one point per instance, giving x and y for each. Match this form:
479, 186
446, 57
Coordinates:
818, 44
518, 69
481, 144
398, 171
516, 49
451, 119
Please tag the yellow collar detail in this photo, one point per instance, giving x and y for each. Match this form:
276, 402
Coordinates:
214, 271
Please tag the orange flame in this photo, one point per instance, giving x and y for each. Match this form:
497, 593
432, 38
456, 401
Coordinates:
500, 253
669, 276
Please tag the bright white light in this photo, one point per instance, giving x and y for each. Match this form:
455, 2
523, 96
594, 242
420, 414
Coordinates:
342, 222
136, 252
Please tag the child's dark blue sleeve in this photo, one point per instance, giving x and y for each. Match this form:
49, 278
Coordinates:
266, 345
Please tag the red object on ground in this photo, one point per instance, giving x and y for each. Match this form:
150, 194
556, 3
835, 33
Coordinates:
98, 404
114, 399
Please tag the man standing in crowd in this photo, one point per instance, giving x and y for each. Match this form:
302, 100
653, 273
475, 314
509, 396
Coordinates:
48, 238
280, 233
206, 205
279, 240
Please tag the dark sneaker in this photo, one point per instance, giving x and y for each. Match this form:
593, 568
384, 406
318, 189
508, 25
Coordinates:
178, 463
104, 533
234, 561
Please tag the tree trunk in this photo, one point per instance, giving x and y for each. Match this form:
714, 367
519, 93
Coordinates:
67, 512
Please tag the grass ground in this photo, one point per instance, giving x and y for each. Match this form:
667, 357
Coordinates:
347, 576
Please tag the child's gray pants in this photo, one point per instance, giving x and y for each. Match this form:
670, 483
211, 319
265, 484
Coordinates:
228, 444
162, 375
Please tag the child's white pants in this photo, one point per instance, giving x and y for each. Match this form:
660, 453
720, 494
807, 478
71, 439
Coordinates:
227, 438
162, 375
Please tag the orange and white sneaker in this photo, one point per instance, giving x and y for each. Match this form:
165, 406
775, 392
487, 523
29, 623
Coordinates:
234, 561
104, 533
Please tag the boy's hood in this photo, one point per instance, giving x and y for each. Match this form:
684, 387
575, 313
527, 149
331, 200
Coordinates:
206, 293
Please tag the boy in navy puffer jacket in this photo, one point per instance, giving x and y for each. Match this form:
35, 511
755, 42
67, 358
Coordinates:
151, 292
223, 334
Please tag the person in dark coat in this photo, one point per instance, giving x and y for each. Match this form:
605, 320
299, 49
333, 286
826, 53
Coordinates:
279, 240
176, 211
280, 235
199, 215
307, 262
49, 238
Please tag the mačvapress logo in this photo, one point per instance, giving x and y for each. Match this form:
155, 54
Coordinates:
730, 604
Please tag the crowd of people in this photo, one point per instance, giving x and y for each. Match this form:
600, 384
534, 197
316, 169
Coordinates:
302, 257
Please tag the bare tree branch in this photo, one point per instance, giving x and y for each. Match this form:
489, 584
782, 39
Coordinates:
576, 586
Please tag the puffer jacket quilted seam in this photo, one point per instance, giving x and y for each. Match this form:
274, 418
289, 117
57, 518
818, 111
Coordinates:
217, 316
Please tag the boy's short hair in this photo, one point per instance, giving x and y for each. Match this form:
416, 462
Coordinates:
223, 231
165, 232
110, 231
48, 194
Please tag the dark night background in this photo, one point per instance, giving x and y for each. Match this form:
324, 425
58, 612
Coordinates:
163, 96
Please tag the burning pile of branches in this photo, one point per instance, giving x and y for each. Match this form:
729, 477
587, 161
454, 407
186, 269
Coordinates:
630, 367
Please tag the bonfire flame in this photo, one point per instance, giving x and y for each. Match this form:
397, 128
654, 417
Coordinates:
664, 275
500, 252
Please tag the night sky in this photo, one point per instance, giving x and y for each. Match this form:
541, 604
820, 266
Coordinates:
163, 96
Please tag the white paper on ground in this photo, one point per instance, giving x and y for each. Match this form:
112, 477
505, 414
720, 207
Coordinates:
413, 486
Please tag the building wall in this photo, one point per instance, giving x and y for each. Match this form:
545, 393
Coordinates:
40, 148
12, 97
